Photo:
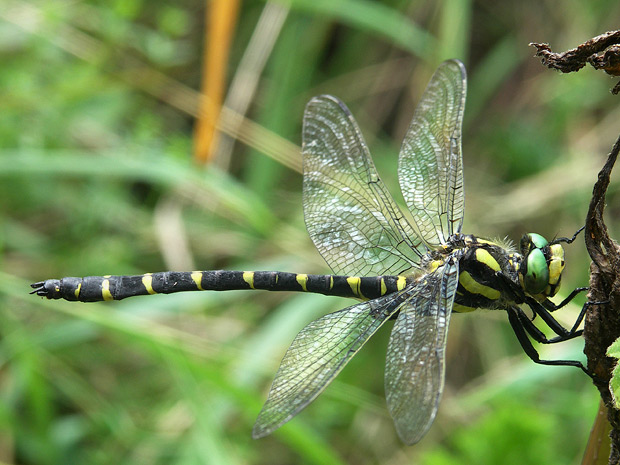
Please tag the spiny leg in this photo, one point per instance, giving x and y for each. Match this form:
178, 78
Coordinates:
545, 307
522, 327
583, 312
552, 307
563, 334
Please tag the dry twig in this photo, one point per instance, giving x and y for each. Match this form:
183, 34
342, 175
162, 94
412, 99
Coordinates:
602, 52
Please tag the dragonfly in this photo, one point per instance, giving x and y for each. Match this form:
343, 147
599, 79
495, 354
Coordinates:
416, 272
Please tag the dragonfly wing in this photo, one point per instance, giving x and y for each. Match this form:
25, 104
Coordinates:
430, 167
350, 216
414, 373
318, 353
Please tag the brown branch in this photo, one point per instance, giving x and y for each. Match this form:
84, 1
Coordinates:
602, 52
602, 323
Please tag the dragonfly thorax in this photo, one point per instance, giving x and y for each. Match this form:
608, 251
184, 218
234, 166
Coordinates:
487, 272
493, 276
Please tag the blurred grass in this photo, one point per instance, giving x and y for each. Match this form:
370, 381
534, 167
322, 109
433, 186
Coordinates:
96, 178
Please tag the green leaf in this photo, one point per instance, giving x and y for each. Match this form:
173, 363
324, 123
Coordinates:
614, 385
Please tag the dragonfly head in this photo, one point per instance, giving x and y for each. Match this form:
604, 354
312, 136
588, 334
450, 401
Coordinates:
542, 265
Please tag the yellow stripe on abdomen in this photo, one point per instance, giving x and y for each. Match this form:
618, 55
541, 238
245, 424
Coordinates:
197, 278
147, 282
248, 277
354, 283
105, 290
302, 280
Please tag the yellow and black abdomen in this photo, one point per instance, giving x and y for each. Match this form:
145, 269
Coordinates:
100, 288
480, 285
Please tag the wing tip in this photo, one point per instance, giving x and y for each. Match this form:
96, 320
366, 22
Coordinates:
264, 427
328, 99
457, 66
259, 432
412, 436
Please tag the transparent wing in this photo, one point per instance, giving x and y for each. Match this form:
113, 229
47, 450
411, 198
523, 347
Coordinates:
350, 216
318, 353
414, 373
430, 167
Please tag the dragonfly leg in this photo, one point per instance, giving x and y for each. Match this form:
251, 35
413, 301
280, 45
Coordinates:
563, 334
552, 307
522, 327
544, 308
583, 312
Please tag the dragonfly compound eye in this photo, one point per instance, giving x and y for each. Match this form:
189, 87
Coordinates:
536, 276
532, 241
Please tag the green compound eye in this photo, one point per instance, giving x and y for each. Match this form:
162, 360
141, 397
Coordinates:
538, 240
536, 278
531, 241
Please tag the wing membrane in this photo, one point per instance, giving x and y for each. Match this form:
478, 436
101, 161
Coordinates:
351, 218
359, 230
318, 353
414, 373
430, 168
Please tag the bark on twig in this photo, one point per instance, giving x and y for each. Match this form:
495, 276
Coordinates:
602, 322
602, 52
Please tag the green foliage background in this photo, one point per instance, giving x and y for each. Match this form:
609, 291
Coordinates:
96, 178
